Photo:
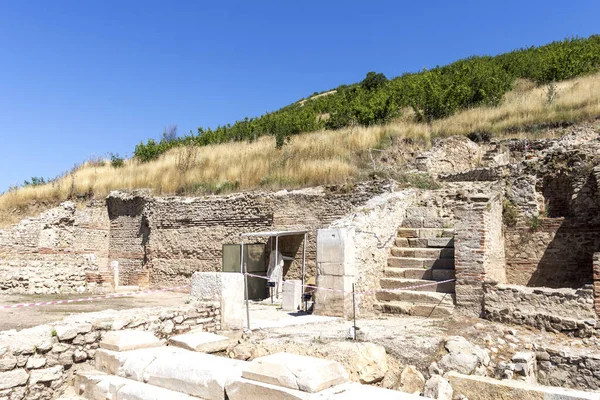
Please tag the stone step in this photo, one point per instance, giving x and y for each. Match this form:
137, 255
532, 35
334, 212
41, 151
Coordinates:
172, 368
425, 233
432, 286
413, 296
426, 222
203, 342
412, 262
420, 273
444, 242
423, 252
95, 385
415, 309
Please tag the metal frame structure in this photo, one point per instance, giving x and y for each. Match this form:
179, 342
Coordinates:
276, 235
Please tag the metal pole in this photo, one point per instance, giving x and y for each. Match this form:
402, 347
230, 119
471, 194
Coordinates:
276, 264
354, 311
244, 269
303, 271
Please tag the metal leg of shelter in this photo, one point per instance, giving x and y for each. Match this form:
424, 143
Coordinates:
243, 268
303, 271
276, 263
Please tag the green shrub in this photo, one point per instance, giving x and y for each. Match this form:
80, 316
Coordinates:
35, 181
432, 94
510, 214
116, 160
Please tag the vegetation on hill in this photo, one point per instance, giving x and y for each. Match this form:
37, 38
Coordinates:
430, 94
324, 157
356, 129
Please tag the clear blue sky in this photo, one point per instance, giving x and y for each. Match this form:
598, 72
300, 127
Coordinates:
81, 78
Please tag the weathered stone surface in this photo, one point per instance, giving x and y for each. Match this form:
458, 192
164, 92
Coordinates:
411, 380
482, 388
128, 340
245, 389
35, 362
8, 363
65, 332
97, 386
196, 374
365, 362
10, 379
292, 295
363, 392
45, 375
438, 388
203, 342
307, 374
463, 363
226, 288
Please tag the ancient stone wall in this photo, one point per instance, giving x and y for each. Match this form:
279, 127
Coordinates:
478, 248
556, 310
555, 201
556, 253
571, 368
374, 228
596, 275
36, 363
54, 252
187, 234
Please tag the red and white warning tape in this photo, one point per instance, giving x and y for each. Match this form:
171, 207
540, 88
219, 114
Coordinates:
367, 291
116, 295
108, 296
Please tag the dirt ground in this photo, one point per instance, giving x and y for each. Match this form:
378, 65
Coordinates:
27, 317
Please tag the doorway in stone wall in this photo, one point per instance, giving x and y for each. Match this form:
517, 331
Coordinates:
255, 257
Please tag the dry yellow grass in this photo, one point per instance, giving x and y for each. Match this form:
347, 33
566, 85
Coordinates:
312, 158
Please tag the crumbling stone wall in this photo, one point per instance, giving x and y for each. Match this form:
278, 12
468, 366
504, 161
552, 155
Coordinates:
479, 252
36, 363
374, 228
556, 253
568, 311
596, 273
129, 235
556, 198
53, 253
187, 234
571, 368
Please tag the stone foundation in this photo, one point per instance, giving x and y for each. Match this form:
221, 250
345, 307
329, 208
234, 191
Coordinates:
56, 252
570, 368
37, 362
556, 310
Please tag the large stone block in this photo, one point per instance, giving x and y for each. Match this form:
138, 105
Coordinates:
196, 374
128, 340
333, 296
307, 374
226, 288
363, 392
292, 295
11, 379
483, 388
336, 246
245, 389
203, 342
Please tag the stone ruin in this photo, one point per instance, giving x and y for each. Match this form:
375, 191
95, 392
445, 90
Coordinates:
513, 236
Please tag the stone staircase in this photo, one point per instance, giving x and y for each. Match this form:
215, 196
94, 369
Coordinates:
423, 254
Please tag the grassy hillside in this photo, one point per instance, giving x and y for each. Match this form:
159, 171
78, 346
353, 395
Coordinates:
327, 156
427, 96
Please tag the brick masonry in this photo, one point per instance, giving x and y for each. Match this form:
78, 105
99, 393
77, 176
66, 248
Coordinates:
596, 273
557, 253
479, 251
